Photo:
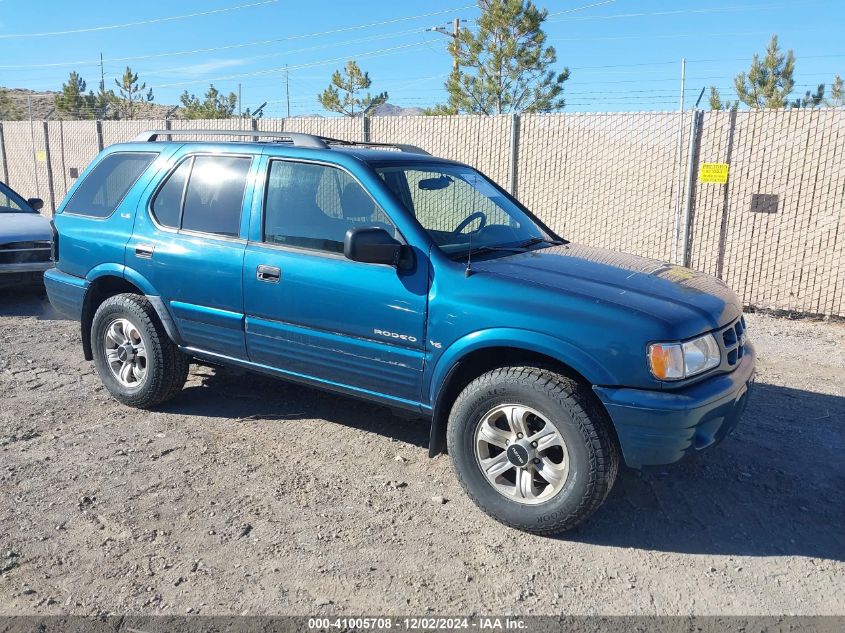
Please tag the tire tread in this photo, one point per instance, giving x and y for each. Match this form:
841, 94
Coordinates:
593, 425
171, 371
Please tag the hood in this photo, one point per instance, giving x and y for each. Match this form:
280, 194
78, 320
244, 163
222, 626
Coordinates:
688, 302
23, 227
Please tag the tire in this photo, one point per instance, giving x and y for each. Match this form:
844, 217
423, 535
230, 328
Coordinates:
582, 460
154, 377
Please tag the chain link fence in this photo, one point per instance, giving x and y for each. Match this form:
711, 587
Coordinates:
775, 231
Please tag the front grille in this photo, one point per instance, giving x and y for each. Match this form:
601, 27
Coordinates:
733, 338
25, 252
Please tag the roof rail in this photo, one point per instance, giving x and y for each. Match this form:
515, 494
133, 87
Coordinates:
402, 147
298, 139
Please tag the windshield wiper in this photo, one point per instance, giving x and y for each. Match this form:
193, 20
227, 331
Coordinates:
540, 240
516, 248
519, 248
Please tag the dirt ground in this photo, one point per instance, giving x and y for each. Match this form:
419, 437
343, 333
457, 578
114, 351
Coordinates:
251, 496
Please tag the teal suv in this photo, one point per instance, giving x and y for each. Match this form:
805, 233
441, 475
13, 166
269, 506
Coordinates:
387, 274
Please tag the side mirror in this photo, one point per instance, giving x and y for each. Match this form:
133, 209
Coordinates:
36, 203
371, 245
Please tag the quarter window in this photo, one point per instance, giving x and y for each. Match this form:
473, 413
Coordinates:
107, 184
168, 202
313, 206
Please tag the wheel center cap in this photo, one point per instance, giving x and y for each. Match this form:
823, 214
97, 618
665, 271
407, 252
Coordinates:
125, 353
518, 455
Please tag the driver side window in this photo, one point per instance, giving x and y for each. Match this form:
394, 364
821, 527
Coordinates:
310, 205
439, 212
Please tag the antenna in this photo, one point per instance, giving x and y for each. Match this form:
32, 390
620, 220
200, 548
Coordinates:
468, 271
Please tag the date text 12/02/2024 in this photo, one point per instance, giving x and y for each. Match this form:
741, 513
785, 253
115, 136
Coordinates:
417, 624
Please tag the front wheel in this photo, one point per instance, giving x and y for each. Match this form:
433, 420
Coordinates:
136, 360
531, 449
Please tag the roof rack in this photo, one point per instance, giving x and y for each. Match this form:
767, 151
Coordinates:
297, 139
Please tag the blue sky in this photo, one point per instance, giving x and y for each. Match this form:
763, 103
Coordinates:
624, 54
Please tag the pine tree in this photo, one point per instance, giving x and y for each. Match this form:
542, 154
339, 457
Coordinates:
72, 102
837, 93
769, 82
213, 106
9, 111
716, 102
810, 99
342, 95
506, 65
132, 95
715, 99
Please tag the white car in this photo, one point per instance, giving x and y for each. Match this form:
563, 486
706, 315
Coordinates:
25, 239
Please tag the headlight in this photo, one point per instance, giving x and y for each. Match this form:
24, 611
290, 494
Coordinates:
676, 361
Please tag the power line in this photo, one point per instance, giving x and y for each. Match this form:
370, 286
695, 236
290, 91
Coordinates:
270, 71
676, 36
587, 6
109, 27
213, 49
697, 61
727, 9
360, 40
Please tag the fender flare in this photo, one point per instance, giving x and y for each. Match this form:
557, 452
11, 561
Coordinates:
527, 340
137, 280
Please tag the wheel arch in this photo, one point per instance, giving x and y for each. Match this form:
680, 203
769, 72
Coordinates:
468, 359
109, 281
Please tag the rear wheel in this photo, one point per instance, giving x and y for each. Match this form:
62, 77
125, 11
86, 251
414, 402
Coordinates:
531, 449
136, 360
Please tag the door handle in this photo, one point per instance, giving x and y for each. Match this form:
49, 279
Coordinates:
270, 274
145, 251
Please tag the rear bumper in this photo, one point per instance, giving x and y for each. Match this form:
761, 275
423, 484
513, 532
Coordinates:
661, 427
66, 292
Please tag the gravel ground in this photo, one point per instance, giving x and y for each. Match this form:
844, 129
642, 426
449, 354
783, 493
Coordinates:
246, 495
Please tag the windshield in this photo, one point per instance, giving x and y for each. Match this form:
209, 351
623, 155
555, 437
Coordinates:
10, 202
460, 208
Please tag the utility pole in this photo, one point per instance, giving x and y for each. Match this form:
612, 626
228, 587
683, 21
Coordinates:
455, 34
102, 76
287, 88
34, 153
240, 113
680, 176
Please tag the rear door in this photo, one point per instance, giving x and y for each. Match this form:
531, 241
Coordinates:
189, 243
312, 312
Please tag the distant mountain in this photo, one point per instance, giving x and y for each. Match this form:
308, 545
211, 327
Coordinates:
388, 109
43, 102
385, 109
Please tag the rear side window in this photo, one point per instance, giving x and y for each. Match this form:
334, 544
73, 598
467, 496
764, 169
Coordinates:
107, 184
204, 194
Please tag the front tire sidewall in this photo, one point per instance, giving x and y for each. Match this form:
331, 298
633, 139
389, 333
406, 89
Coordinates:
566, 508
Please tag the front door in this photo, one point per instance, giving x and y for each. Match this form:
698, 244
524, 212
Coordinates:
189, 246
312, 312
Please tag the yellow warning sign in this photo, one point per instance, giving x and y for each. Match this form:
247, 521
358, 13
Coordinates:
41, 156
714, 172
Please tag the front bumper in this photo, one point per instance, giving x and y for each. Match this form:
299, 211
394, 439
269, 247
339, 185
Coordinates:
661, 427
22, 273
